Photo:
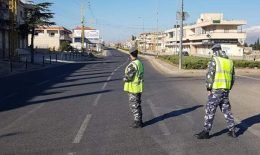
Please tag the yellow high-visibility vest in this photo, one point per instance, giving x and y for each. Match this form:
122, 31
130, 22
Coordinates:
137, 85
223, 75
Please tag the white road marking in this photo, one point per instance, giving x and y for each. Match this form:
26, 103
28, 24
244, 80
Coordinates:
72, 153
162, 125
252, 78
109, 78
82, 129
112, 73
104, 86
42, 83
97, 100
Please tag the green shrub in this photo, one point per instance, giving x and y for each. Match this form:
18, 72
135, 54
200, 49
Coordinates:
192, 62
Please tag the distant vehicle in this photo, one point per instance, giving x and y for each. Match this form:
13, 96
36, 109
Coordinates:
185, 53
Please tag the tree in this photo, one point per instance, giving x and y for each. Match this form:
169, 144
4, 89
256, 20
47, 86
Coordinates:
257, 46
65, 46
35, 16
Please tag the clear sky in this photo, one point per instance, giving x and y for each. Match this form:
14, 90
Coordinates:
119, 19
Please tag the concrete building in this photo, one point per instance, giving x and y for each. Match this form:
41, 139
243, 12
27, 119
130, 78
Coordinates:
50, 37
209, 29
92, 39
198, 38
5, 29
151, 42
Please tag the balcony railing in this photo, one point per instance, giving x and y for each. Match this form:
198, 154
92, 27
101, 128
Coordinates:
64, 37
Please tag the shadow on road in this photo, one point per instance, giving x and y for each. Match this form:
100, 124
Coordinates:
86, 83
19, 90
10, 134
84, 75
242, 126
171, 114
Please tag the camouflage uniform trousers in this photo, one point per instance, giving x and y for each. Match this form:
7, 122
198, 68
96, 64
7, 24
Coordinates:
135, 105
218, 98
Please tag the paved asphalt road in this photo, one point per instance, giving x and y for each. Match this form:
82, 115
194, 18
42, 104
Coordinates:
80, 108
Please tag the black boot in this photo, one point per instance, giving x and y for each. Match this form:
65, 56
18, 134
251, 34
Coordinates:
202, 135
137, 124
232, 133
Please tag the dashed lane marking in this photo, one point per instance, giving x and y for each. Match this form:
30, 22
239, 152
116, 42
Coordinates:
104, 86
82, 129
97, 100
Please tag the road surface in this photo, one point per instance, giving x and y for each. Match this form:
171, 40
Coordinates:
80, 108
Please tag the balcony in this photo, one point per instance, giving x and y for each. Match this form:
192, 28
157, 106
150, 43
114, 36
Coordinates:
65, 37
218, 35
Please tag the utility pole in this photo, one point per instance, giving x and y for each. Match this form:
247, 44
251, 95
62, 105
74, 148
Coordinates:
144, 44
157, 27
82, 30
144, 37
82, 34
181, 36
13, 36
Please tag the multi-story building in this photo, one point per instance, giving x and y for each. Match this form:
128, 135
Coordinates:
153, 41
209, 29
92, 39
19, 40
4, 27
50, 37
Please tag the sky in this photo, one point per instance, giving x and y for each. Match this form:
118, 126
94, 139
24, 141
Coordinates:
117, 20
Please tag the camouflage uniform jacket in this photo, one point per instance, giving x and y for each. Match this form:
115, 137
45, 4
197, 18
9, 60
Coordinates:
130, 72
210, 76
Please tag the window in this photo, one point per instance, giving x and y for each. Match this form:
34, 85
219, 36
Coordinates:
52, 34
226, 30
170, 34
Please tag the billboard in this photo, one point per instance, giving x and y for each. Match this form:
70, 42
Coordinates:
92, 34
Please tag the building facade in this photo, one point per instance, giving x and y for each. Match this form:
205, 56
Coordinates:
17, 39
92, 39
198, 38
50, 37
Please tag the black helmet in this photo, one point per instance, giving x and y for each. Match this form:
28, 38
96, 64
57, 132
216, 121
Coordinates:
216, 47
133, 51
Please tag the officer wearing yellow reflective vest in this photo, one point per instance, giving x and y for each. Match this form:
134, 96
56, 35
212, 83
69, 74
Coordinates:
134, 85
219, 81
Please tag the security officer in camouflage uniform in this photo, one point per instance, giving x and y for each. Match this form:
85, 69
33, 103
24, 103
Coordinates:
134, 85
219, 81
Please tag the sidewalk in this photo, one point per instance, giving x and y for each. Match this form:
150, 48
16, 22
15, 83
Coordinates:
7, 69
